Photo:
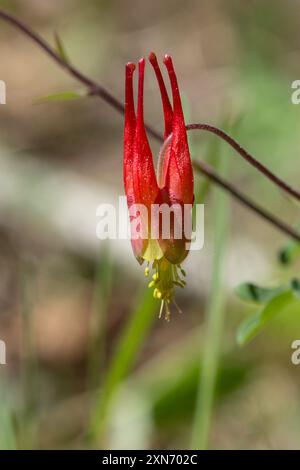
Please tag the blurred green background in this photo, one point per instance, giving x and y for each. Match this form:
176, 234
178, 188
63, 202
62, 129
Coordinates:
89, 364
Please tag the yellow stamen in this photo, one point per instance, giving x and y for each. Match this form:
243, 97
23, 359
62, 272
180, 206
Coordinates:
161, 308
164, 280
155, 292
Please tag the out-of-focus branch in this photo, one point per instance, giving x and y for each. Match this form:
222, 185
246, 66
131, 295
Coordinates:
95, 89
246, 156
245, 201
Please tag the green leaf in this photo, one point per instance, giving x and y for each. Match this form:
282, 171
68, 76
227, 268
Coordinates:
63, 96
215, 312
289, 253
253, 293
60, 48
254, 323
295, 286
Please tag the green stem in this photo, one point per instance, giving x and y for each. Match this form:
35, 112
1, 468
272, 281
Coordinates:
100, 301
8, 435
214, 327
29, 363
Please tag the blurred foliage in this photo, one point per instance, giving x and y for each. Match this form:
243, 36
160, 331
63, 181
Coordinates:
176, 402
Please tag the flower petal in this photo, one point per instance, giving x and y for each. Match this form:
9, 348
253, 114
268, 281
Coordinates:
129, 133
168, 111
144, 179
138, 244
173, 241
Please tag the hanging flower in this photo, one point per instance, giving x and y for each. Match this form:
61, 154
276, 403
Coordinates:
171, 187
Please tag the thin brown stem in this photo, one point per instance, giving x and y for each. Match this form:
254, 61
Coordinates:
95, 89
246, 155
245, 201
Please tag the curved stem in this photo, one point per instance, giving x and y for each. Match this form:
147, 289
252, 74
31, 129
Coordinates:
230, 188
96, 89
209, 172
246, 155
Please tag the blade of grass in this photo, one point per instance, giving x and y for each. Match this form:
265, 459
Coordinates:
28, 423
125, 355
8, 438
290, 251
99, 310
7, 434
214, 324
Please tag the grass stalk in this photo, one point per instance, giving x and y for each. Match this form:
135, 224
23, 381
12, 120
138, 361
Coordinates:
214, 323
127, 350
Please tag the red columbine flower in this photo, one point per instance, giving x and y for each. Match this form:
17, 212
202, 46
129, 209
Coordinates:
172, 185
